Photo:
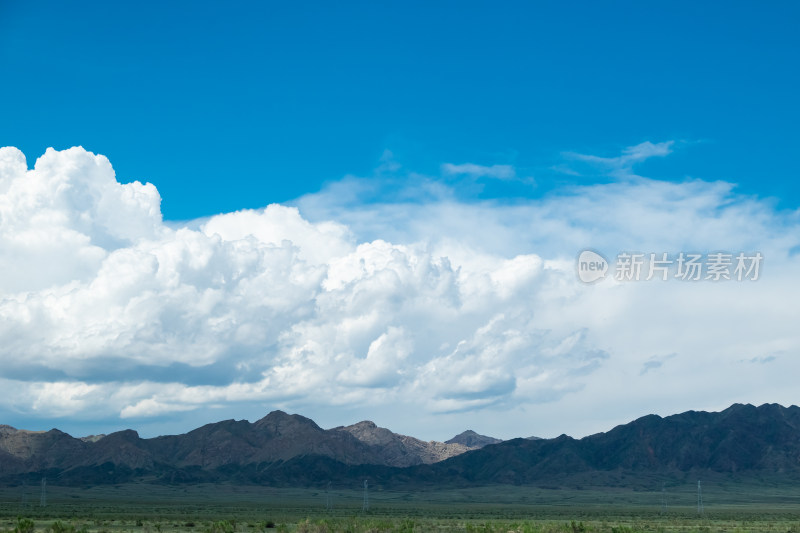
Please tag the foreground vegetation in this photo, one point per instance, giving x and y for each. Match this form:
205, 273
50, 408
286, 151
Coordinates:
231, 509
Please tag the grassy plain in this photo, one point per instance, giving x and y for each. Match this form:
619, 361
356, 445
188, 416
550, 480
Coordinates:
143, 508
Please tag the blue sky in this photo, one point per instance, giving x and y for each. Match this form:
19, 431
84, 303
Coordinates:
226, 107
432, 170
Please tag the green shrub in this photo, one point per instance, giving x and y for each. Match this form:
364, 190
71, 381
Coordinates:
24, 525
222, 526
60, 527
577, 528
406, 526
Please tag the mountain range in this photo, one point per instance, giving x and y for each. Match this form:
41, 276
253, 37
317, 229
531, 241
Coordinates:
222, 446
740, 442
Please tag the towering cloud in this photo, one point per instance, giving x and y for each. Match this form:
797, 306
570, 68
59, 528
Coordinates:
106, 311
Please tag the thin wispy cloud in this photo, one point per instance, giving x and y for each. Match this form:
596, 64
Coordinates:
500, 172
620, 166
762, 359
655, 362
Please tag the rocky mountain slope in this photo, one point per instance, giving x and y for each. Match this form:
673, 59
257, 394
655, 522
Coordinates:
401, 450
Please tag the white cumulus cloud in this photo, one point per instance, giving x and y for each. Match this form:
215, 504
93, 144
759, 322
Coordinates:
421, 310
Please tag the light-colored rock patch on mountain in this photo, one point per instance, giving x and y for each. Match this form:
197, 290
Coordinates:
401, 450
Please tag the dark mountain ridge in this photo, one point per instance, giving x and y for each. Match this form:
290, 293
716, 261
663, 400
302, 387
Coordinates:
473, 440
742, 440
280, 449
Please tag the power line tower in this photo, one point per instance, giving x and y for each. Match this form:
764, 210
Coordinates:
24, 497
663, 498
700, 509
328, 505
43, 499
365, 507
